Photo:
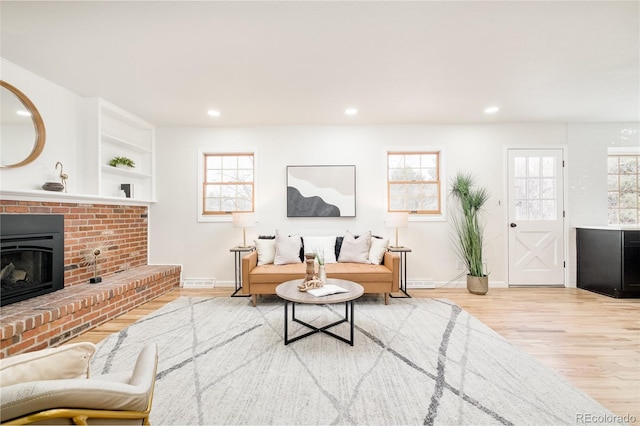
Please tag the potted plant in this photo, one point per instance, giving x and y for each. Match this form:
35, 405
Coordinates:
468, 229
122, 162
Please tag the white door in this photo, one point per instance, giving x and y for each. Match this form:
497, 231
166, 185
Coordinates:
536, 217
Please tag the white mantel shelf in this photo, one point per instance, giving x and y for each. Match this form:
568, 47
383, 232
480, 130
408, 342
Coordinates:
63, 197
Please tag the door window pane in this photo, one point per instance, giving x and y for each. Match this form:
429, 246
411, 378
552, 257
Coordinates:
534, 166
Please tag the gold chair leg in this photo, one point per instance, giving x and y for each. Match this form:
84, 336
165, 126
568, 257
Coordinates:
80, 420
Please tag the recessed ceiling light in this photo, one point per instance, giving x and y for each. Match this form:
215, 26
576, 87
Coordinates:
351, 111
213, 113
491, 110
23, 113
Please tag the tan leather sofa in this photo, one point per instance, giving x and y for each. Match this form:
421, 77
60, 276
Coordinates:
263, 279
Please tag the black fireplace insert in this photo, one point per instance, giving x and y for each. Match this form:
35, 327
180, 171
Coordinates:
32, 255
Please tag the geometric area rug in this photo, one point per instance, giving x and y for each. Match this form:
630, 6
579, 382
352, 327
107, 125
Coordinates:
414, 361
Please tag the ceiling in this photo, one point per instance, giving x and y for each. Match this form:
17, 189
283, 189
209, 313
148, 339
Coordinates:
304, 62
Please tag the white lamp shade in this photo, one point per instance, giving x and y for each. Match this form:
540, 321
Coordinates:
243, 220
397, 220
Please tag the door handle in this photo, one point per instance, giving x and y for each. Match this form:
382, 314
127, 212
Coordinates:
513, 225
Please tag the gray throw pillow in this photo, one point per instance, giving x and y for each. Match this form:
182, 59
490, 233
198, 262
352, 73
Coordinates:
287, 249
354, 249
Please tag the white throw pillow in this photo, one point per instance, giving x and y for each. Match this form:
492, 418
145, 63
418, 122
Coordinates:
376, 252
69, 361
355, 249
321, 246
287, 249
266, 249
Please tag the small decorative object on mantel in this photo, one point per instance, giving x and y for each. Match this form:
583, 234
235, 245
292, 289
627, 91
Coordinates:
53, 186
63, 175
57, 186
122, 162
128, 189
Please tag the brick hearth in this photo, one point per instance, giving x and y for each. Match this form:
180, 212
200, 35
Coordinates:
51, 319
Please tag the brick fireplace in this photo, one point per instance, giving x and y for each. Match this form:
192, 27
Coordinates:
128, 281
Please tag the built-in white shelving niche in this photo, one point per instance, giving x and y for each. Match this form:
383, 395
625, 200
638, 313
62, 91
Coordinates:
117, 133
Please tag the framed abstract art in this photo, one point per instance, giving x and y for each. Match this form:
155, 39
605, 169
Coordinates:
321, 191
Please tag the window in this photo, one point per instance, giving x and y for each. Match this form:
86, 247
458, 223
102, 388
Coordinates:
228, 184
414, 182
623, 183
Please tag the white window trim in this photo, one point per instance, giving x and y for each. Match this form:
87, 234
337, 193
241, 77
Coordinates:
444, 184
223, 218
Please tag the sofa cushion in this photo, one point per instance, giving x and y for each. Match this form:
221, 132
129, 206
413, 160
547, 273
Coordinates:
378, 247
266, 249
357, 272
355, 249
287, 249
324, 246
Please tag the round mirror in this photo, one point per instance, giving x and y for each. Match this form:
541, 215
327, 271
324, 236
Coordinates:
22, 128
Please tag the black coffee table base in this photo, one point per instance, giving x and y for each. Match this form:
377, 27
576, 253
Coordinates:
348, 318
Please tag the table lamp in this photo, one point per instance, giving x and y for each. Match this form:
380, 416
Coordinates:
243, 220
397, 220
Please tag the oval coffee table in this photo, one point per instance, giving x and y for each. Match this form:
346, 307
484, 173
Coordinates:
290, 293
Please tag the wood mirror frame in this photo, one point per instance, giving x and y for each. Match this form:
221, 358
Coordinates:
38, 126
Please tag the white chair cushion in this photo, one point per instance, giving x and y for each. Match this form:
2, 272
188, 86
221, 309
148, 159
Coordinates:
64, 362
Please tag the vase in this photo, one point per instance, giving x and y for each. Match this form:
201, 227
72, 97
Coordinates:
322, 273
478, 285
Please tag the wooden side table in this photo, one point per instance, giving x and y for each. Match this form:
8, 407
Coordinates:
402, 251
239, 251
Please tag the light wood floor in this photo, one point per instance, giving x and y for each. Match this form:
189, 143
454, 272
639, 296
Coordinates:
592, 340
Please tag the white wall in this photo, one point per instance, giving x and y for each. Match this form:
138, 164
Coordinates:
203, 248
588, 144
58, 108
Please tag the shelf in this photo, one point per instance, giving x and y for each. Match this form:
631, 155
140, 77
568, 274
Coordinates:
124, 144
124, 172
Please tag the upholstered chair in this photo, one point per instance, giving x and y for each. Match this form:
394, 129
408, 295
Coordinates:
52, 386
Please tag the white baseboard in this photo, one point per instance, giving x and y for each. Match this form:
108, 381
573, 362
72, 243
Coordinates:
463, 284
199, 283
225, 284
420, 284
